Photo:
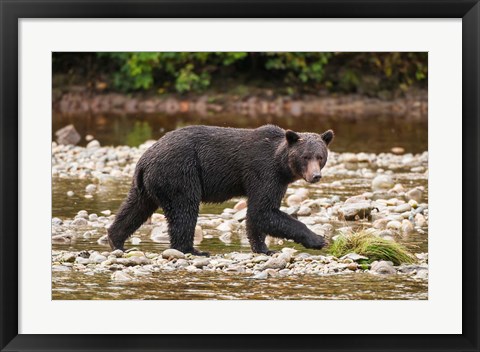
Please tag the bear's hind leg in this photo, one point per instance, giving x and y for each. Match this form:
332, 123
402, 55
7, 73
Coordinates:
182, 218
133, 212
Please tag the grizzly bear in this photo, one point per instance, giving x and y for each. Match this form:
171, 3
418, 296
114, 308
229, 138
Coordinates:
213, 164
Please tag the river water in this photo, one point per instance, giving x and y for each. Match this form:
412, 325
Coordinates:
373, 135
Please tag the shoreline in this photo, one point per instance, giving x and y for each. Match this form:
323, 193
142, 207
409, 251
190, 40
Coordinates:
82, 100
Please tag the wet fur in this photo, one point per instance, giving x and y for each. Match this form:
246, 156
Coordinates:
213, 164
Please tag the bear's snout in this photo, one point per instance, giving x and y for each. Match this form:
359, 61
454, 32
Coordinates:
313, 178
316, 177
313, 173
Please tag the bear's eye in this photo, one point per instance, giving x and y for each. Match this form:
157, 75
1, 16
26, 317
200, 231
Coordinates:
319, 157
306, 157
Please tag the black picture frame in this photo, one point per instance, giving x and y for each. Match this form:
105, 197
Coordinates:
12, 11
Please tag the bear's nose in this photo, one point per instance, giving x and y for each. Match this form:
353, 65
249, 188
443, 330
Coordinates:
316, 177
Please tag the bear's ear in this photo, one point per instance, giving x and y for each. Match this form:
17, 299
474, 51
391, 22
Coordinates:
327, 136
292, 137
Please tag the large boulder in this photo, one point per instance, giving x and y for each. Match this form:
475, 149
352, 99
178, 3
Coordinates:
68, 135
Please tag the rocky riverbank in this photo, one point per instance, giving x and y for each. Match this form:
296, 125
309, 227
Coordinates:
80, 100
394, 207
104, 163
135, 264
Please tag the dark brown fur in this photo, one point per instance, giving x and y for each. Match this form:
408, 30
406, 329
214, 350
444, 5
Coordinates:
213, 164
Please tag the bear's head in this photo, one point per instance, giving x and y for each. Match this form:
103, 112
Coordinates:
307, 154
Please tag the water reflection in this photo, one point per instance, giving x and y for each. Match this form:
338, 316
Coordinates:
376, 134
140, 133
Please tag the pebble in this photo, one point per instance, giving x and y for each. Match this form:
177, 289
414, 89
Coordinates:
394, 225
103, 240
397, 150
415, 194
353, 256
93, 144
121, 276
407, 227
201, 262
262, 275
275, 263
240, 205
82, 214
90, 188
98, 258
294, 200
420, 220
135, 253
135, 241
304, 211
70, 193
413, 203
80, 260
225, 227
382, 267
56, 221
240, 215
79, 222
380, 224
402, 208
382, 182
117, 253
398, 188
172, 254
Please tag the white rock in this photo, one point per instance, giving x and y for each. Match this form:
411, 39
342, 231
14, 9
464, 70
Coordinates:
294, 200
120, 276
304, 211
240, 205
172, 254
415, 194
240, 215
407, 226
420, 220
382, 182
135, 241
383, 267
403, 208
79, 222
90, 188
93, 144
225, 227
394, 225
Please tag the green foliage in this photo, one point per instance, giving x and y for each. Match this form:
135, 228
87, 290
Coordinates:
375, 248
370, 73
288, 72
298, 67
187, 71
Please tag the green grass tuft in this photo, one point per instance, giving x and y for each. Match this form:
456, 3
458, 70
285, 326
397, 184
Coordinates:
375, 248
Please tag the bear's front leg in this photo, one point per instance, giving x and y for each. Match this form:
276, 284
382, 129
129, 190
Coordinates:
257, 239
278, 224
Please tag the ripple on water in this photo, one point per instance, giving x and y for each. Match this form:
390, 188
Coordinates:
167, 286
